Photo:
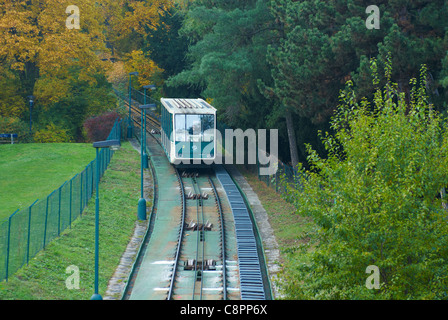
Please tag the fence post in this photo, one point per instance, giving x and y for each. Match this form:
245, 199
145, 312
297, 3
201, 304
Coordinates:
101, 165
46, 218
9, 242
29, 234
87, 189
59, 210
80, 193
92, 180
70, 205
118, 131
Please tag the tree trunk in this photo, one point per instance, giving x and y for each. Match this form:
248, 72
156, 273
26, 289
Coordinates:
292, 139
28, 77
443, 196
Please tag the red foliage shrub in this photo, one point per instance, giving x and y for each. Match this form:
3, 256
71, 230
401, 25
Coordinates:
99, 127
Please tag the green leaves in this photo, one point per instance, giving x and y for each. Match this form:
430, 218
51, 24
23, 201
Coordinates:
376, 199
324, 44
228, 57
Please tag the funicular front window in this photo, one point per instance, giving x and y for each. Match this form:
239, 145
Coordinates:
207, 127
194, 127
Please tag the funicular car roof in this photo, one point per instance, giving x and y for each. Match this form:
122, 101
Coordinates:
188, 106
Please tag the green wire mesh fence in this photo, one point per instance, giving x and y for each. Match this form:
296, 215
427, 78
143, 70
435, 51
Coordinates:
29, 230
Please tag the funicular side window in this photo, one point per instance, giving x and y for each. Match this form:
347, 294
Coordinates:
179, 124
170, 120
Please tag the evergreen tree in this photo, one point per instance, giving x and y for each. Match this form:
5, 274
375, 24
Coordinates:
229, 56
168, 49
326, 43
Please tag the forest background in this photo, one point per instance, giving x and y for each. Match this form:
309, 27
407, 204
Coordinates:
264, 63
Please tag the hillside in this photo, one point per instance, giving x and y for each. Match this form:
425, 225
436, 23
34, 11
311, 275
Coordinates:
32, 171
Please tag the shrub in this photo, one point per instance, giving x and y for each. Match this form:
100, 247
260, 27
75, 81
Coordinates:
15, 125
376, 200
98, 128
52, 134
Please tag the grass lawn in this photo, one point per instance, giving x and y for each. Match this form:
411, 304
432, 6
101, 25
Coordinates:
45, 277
31, 171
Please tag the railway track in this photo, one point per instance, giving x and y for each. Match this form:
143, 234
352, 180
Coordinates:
200, 263
152, 125
212, 252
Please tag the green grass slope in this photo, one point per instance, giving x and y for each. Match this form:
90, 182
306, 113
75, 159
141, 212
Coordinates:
46, 276
32, 171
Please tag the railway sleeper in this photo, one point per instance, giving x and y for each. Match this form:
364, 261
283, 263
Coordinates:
194, 226
186, 174
208, 264
197, 196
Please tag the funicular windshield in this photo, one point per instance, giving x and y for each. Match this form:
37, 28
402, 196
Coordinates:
194, 127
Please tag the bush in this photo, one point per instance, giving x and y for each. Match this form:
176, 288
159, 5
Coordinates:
98, 128
52, 134
15, 125
376, 200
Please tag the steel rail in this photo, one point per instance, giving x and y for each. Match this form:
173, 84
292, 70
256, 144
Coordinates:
154, 125
181, 232
125, 98
148, 116
223, 241
200, 217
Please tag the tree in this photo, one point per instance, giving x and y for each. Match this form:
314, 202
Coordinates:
83, 100
149, 72
325, 43
375, 198
11, 103
168, 48
36, 43
126, 17
228, 56
48, 60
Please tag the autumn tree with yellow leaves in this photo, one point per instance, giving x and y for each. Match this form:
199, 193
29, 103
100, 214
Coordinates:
128, 23
46, 59
43, 53
65, 69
